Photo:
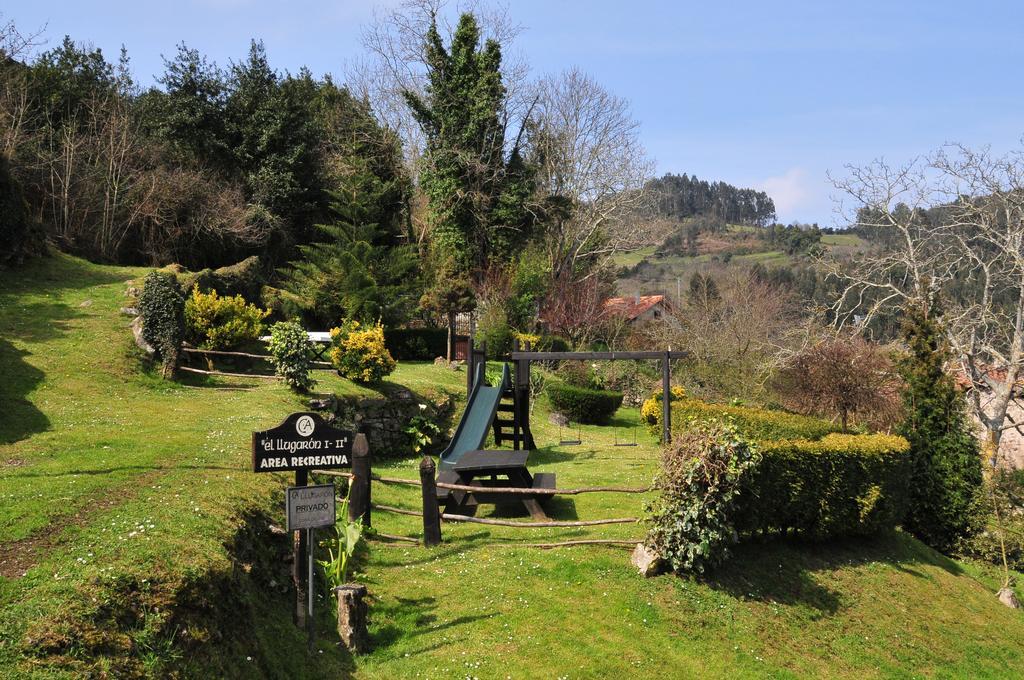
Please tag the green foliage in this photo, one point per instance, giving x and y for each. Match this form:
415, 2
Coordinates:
214, 322
358, 271
291, 352
359, 353
20, 236
840, 485
947, 463
476, 199
493, 329
416, 344
702, 473
162, 306
997, 521
421, 431
243, 278
341, 547
582, 404
753, 423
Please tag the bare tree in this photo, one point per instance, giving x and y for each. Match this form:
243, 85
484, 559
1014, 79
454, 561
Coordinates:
844, 377
955, 225
592, 157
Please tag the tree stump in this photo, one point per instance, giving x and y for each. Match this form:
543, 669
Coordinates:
352, 617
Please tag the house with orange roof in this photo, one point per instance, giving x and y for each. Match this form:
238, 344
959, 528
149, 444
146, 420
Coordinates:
638, 309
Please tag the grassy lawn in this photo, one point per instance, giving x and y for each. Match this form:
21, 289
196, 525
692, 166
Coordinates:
137, 542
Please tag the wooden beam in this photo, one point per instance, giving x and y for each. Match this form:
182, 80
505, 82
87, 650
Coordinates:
595, 356
536, 525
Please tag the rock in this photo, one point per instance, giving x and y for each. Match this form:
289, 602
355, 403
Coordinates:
557, 418
440, 361
647, 561
86, 303
326, 404
1008, 597
352, 617
129, 311
132, 292
136, 327
277, 531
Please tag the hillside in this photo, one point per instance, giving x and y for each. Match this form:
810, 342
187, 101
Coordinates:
137, 543
660, 269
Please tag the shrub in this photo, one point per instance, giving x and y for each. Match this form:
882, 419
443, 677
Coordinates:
215, 322
582, 404
702, 474
840, 485
551, 343
424, 344
494, 330
243, 278
715, 488
291, 352
359, 353
753, 423
997, 521
577, 374
162, 305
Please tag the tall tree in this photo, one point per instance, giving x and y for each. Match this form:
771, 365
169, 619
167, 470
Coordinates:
466, 173
947, 474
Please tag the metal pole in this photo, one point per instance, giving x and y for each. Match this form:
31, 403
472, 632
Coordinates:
300, 546
309, 588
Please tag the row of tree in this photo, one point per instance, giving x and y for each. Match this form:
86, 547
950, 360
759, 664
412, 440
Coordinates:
680, 197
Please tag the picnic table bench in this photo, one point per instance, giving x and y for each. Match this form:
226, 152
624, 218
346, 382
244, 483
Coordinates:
485, 469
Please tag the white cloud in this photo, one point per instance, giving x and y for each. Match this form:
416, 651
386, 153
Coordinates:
789, 191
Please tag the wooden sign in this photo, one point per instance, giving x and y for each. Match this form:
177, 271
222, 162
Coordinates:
302, 442
310, 507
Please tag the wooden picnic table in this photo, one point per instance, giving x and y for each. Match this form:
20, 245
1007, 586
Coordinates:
486, 469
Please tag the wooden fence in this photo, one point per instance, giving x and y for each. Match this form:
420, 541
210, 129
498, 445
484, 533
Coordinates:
361, 506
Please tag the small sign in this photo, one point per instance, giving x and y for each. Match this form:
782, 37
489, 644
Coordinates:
310, 507
302, 442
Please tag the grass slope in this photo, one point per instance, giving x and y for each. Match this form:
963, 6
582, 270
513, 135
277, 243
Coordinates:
136, 542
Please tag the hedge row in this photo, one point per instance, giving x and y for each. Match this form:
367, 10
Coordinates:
583, 405
841, 485
752, 423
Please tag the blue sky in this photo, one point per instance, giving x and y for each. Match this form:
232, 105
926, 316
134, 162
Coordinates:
763, 94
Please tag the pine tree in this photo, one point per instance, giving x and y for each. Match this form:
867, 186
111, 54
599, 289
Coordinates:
360, 270
947, 475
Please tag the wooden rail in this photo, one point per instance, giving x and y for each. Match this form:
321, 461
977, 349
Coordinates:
229, 375
542, 492
537, 525
400, 511
247, 355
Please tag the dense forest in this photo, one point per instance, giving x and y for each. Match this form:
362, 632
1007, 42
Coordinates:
684, 196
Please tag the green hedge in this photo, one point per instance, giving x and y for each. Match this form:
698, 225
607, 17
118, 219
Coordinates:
841, 485
752, 423
416, 344
583, 405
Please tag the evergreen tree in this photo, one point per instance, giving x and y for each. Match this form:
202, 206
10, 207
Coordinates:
474, 197
360, 271
947, 475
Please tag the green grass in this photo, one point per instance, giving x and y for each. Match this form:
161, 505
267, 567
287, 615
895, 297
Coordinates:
145, 545
842, 240
632, 257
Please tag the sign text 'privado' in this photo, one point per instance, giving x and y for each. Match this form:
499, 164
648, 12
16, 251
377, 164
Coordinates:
302, 442
310, 507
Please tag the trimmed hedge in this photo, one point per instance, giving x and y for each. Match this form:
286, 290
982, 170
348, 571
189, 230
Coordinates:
752, 423
583, 405
841, 485
416, 344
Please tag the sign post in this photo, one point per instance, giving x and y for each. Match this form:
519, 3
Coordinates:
304, 442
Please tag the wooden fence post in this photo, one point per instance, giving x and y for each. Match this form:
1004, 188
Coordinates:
359, 498
666, 398
431, 512
470, 365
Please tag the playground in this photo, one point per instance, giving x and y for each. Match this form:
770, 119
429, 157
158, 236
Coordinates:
137, 540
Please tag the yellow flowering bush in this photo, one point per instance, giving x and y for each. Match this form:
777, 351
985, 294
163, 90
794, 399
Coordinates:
531, 339
359, 353
650, 410
215, 322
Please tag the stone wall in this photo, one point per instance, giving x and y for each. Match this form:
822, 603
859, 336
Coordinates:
385, 419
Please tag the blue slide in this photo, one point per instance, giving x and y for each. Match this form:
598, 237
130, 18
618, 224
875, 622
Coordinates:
476, 421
